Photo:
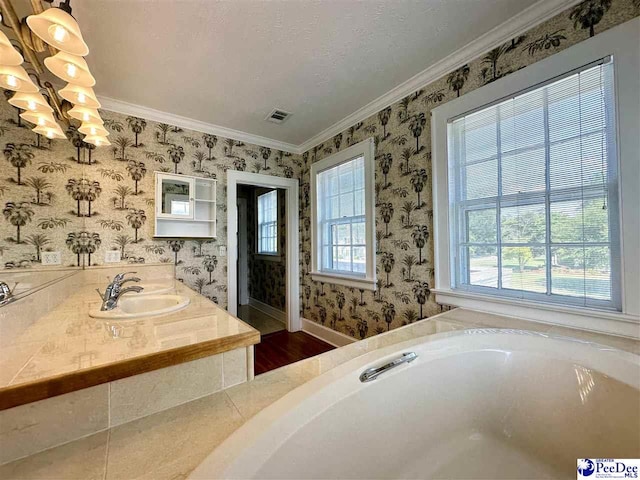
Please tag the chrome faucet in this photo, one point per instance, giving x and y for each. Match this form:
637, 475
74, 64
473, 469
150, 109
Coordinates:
114, 290
6, 295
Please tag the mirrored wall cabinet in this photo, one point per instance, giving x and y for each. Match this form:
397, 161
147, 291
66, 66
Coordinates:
185, 206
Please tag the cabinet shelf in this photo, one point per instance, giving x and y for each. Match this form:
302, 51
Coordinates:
195, 198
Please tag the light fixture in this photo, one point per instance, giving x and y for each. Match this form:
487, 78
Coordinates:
97, 140
32, 102
84, 114
78, 95
93, 129
8, 54
71, 68
60, 30
16, 79
40, 119
50, 132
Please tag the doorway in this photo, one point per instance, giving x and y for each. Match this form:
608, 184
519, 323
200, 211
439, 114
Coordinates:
262, 257
285, 346
237, 182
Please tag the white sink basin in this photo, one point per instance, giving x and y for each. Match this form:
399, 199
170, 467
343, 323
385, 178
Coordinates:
133, 306
152, 288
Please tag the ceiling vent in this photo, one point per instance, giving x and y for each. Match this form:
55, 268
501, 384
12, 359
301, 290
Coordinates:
278, 116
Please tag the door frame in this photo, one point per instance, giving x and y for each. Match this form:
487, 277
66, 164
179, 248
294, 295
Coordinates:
243, 268
290, 185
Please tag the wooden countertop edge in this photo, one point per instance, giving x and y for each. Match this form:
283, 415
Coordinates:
16, 395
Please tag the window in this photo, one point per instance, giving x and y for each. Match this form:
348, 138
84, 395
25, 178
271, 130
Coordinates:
268, 223
179, 207
533, 193
342, 210
535, 190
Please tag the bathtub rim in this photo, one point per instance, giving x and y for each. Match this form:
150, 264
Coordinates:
219, 461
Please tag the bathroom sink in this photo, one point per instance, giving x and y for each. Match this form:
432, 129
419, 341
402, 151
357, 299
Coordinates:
152, 288
133, 306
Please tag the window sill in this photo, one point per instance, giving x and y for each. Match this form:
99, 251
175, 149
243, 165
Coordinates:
347, 281
584, 318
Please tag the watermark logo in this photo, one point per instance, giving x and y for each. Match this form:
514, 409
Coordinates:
586, 467
608, 468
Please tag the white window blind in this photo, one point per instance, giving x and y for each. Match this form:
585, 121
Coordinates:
533, 193
268, 223
341, 218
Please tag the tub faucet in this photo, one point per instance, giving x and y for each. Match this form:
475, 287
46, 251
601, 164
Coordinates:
114, 290
6, 295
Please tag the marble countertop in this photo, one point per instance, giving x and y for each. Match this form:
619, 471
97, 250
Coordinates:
170, 444
66, 342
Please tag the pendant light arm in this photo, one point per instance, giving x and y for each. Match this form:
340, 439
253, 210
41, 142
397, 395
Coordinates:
55, 102
9, 14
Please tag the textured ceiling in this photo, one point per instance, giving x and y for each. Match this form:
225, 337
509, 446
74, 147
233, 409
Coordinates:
230, 63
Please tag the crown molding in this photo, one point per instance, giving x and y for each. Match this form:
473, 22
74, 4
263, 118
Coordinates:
126, 108
520, 23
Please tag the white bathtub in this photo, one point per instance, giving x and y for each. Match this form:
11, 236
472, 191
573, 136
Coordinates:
474, 404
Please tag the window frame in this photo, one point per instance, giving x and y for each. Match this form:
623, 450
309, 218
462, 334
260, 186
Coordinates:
268, 255
365, 149
622, 44
546, 199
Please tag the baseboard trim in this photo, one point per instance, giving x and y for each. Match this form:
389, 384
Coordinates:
326, 334
268, 310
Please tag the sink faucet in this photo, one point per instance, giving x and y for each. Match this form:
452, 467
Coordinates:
114, 290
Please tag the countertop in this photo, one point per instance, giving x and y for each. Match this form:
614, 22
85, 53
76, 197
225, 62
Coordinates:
66, 349
170, 444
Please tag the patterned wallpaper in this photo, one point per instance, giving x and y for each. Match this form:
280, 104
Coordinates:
67, 196
70, 197
404, 207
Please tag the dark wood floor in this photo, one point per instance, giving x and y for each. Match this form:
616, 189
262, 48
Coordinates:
278, 349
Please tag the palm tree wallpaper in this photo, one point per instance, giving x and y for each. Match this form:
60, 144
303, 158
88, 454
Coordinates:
64, 196
403, 178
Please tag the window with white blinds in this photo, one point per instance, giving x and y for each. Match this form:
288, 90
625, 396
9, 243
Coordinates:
268, 223
533, 193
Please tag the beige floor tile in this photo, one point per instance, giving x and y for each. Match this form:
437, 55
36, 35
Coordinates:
265, 389
37, 426
84, 459
259, 320
172, 443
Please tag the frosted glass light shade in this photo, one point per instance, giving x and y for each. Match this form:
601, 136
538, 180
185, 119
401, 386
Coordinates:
60, 30
70, 68
50, 132
16, 79
40, 119
97, 140
31, 102
93, 130
8, 54
84, 114
83, 96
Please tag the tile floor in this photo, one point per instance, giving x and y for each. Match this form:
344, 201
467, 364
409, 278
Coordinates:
259, 320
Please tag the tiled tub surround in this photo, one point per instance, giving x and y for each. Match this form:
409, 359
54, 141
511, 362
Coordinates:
97, 380
170, 444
